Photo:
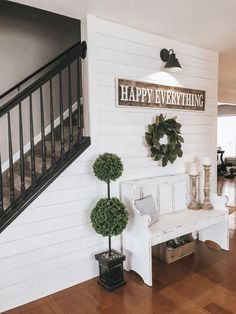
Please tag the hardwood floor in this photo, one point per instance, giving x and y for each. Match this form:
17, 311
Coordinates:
200, 283
204, 283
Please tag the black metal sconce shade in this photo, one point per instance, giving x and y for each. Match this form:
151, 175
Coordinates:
172, 63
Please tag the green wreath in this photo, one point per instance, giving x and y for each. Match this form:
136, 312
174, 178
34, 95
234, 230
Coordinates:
171, 150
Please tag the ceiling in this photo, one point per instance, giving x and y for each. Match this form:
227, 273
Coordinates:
209, 24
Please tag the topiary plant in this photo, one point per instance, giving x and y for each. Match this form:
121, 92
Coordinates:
109, 217
108, 167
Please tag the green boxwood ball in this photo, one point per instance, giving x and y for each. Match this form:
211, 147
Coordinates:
109, 217
108, 167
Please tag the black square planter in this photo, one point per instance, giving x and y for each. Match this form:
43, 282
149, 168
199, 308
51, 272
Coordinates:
111, 274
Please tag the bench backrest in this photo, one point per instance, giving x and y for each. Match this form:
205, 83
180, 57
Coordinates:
171, 193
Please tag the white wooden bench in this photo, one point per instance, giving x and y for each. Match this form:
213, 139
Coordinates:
171, 194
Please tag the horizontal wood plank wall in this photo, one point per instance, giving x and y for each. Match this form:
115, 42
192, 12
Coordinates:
51, 245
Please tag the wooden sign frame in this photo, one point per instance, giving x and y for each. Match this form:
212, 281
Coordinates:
144, 94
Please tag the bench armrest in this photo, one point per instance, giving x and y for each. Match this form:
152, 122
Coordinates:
146, 219
219, 202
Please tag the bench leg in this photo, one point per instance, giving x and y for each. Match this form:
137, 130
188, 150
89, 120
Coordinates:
140, 261
218, 233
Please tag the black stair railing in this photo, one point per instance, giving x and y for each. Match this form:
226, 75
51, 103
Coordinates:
41, 132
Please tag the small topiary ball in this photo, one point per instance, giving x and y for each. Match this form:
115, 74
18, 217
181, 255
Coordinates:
108, 167
109, 217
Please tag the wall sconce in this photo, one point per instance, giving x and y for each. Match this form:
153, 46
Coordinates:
172, 63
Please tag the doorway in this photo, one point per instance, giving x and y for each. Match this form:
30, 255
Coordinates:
226, 151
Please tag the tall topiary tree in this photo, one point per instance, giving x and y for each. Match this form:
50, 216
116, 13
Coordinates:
109, 217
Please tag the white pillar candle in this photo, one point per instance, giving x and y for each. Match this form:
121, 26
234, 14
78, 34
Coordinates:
193, 170
207, 161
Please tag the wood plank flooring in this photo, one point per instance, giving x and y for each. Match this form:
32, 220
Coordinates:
200, 283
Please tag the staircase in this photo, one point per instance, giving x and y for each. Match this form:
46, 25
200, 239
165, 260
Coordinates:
41, 131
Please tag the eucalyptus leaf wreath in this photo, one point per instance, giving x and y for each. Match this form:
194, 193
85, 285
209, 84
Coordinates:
172, 130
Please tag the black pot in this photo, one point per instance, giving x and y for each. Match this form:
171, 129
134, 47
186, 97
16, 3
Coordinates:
111, 274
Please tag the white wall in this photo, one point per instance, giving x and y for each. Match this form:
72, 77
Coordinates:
51, 245
30, 38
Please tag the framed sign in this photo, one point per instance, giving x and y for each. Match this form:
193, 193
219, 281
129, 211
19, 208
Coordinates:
143, 94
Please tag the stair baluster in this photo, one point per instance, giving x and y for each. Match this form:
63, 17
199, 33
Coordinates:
61, 117
22, 162
1, 190
53, 156
11, 170
81, 102
32, 152
44, 168
70, 108
79, 93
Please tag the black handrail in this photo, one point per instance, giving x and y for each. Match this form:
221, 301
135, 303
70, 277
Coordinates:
68, 56
9, 91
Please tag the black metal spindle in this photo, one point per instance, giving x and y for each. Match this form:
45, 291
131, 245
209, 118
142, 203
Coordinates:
70, 108
11, 170
22, 163
1, 190
32, 152
43, 143
79, 95
53, 156
81, 101
61, 117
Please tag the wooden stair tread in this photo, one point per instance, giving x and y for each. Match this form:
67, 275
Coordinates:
38, 163
38, 150
38, 146
6, 195
17, 179
66, 133
74, 119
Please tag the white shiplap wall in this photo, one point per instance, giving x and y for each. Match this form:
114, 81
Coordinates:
51, 245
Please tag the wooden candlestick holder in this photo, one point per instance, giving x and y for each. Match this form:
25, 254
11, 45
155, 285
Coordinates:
207, 204
194, 192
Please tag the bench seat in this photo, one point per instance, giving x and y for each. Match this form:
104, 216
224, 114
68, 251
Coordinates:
183, 222
171, 196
